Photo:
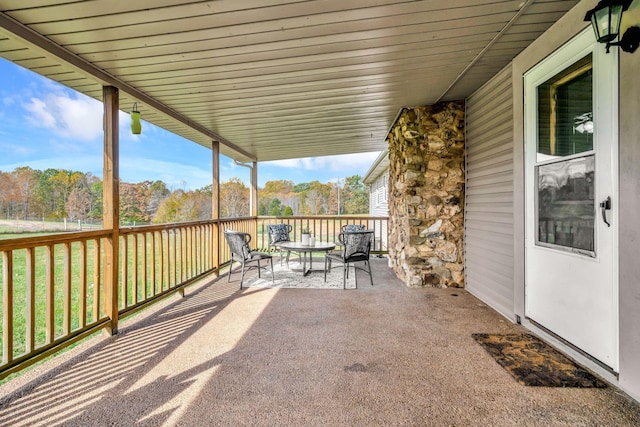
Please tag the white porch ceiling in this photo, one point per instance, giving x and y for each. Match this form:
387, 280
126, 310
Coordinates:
273, 79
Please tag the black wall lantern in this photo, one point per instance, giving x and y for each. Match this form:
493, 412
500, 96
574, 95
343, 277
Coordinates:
605, 19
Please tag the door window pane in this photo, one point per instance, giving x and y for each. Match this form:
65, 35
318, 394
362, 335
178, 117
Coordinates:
566, 206
565, 112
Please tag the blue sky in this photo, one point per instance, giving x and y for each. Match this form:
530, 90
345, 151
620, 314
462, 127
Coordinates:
46, 125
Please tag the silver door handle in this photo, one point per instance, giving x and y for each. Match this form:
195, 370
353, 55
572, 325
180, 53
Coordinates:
604, 207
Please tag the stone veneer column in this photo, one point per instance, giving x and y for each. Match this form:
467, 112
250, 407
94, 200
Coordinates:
426, 189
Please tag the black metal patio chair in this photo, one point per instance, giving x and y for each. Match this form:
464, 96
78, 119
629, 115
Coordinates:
238, 242
356, 248
347, 228
279, 233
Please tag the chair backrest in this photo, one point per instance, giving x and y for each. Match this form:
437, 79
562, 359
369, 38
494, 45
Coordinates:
238, 242
279, 233
357, 244
353, 227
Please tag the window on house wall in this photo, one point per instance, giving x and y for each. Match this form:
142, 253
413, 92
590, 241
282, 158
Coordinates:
566, 161
385, 192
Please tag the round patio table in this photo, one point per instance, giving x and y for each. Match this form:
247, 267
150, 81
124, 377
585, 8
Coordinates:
307, 249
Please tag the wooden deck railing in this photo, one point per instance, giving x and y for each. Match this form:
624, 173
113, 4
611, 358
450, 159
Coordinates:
155, 260
51, 293
325, 228
53, 287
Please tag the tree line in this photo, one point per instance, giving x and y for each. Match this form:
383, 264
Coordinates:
57, 194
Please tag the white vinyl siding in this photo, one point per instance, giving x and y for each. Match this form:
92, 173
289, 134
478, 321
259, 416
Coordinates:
378, 206
378, 196
488, 239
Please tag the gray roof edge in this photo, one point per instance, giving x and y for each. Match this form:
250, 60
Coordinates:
380, 164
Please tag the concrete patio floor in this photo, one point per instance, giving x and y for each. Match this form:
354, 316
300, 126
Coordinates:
379, 355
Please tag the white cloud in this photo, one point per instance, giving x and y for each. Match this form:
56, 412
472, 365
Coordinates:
341, 163
40, 116
10, 150
76, 117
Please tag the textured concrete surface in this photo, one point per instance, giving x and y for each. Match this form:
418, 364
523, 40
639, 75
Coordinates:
381, 355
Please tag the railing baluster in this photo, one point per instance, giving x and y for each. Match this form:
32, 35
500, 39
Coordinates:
185, 250
194, 249
165, 276
201, 248
204, 251
191, 245
174, 254
82, 309
198, 252
143, 257
66, 289
168, 259
7, 306
50, 294
190, 249
161, 263
97, 268
30, 341
152, 245
158, 261
194, 252
207, 246
178, 237
134, 268
124, 273
183, 256
174, 246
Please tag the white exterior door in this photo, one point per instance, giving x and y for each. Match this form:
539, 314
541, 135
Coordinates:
571, 197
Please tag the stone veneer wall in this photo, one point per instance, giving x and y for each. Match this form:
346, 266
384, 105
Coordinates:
426, 186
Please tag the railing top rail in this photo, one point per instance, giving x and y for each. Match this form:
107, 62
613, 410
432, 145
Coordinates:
343, 216
160, 227
51, 239
57, 238
239, 218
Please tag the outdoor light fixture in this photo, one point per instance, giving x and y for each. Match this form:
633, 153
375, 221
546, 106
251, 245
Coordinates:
136, 127
605, 19
583, 123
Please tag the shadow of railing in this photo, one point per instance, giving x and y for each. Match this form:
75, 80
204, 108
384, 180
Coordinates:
117, 375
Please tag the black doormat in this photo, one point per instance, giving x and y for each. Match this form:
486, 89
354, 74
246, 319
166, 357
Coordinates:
533, 362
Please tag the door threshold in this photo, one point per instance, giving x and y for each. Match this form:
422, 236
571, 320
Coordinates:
603, 366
